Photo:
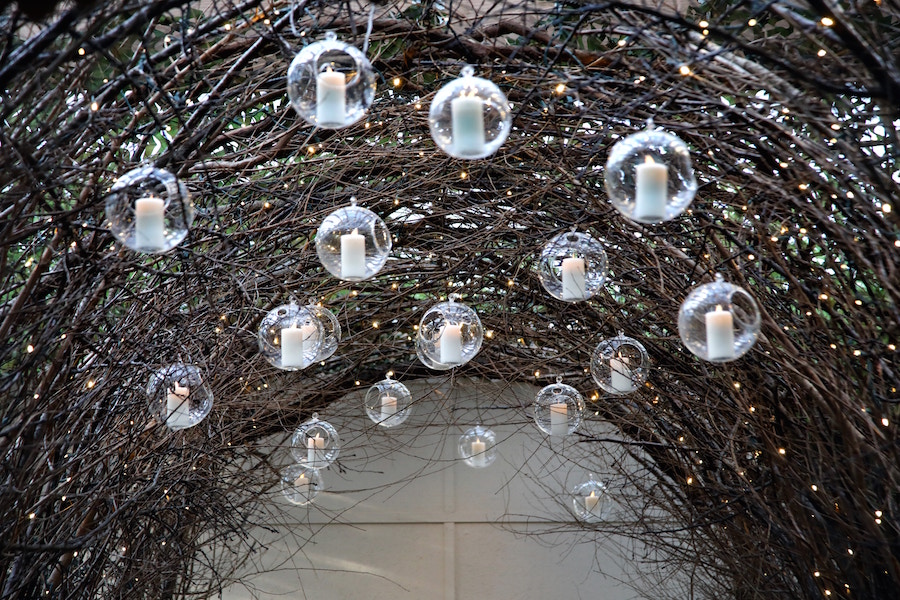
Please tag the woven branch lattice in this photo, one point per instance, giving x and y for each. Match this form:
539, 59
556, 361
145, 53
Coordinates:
780, 471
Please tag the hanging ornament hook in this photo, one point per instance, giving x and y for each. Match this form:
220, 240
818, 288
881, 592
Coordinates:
468, 71
559, 379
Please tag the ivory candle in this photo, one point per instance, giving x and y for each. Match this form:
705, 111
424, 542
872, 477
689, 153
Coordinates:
149, 223
620, 370
590, 504
302, 485
573, 287
388, 407
720, 334
310, 337
451, 344
315, 451
353, 255
331, 98
292, 347
559, 419
478, 458
651, 190
178, 407
468, 125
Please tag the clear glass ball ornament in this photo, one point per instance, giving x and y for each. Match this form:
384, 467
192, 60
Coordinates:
591, 501
620, 365
478, 447
178, 396
450, 334
573, 266
315, 443
719, 321
470, 117
558, 409
291, 337
300, 484
331, 331
149, 210
330, 83
649, 177
388, 402
353, 243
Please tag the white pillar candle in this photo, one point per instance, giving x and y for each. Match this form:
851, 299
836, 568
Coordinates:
292, 347
149, 223
651, 190
719, 334
310, 336
451, 344
590, 504
302, 485
331, 98
468, 125
388, 407
353, 255
620, 372
478, 458
559, 419
178, 407
573, 287
315, 451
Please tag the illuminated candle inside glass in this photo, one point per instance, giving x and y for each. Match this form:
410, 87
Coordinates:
302, 485
720, 334
388, 407
315, 451
468, 125
573, 287
451, 344
149, 223
353, 255
620, 374
292, 347
331, 98
590, 504
478, 458
559, 419
651, 190
178, 407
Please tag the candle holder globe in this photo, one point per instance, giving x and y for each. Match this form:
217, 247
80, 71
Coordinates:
301, 484
620, 365
149, 210
450, 334
591, 501
315, 443
719, 321
388, 403
470, 117
291, 337
649, 177
478, 447
558, 409
331, 331
353, 243
573, 266
330, 83
178, 396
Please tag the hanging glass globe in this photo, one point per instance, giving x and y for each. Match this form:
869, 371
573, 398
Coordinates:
300, 484
178, 396
719, 321
573, 266
649, 177
388, 403
477, 447
470, 117
331, 331
450, 334
331, 84
591, 501
291, 337
149, 210
620, 365
315, 443
353, 243
558, 409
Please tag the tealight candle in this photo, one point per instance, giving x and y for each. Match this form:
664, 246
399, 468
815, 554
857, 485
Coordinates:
620, 370
388, 407
720, 334
178, 407
451, 344
573, 287
468, 125
651, 190
353, 255
292, 347
559, 418
478, 458
315, 451
331, 98
149, 223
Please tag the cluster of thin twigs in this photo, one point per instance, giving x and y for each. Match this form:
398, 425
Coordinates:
779, 471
